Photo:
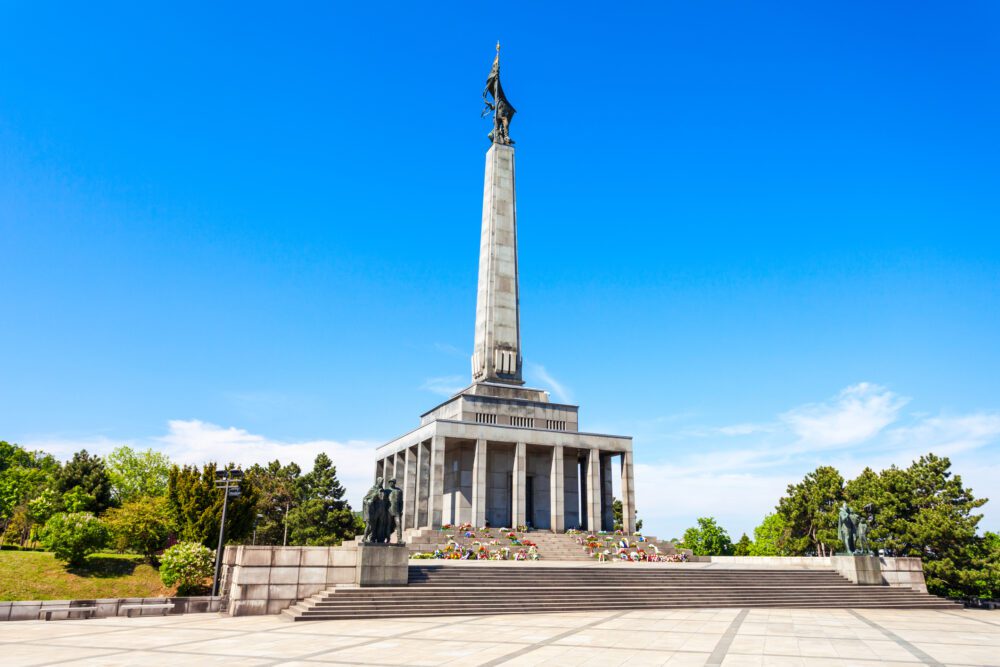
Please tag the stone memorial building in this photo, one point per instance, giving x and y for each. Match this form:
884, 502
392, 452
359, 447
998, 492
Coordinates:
498, 453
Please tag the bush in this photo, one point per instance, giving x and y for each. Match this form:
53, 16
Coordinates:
142, 526
187, 565
74, 535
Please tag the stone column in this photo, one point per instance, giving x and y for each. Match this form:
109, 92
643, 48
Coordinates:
628, 493
435, 498
519, 486
607, 493
380, 468
410, 488
557, 492
423, 479
479, 485
594, 490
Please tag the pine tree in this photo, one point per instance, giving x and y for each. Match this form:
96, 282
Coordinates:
322, 516
195, 506
90, 475
810, 511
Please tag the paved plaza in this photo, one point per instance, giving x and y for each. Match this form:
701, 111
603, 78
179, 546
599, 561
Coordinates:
668, 637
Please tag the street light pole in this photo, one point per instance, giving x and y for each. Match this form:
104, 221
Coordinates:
228, 480
284, 541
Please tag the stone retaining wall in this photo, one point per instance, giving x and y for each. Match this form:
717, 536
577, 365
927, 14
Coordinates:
265, 579
106, 607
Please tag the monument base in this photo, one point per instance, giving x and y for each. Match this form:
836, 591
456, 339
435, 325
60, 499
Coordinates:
862, 570
382, 565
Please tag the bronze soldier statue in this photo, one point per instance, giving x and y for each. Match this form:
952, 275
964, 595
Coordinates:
503, 110
396, 509
366, 507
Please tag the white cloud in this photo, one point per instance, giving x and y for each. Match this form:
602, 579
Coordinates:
857, 414
447, 385
561, 392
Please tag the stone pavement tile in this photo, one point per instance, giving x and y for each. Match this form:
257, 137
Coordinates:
786, 661
157, 659
756, 627
494, 633
362, 628
404, 651
780, 645
261, 645
852, 649
26, 631
886, 649
144, 638
608, 638
687, 659
483, 653
816, 648
701, 642
554, 656
747, 644
961, 654
670, 641
736, 660
24, 655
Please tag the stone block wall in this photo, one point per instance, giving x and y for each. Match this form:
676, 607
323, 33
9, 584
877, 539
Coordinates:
903, 573
106, 607
265, 579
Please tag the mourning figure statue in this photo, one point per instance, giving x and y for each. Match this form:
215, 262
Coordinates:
845, 527
396, 509
366, 508
503, 110
382, 510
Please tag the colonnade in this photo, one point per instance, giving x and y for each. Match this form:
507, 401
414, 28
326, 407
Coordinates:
484, 482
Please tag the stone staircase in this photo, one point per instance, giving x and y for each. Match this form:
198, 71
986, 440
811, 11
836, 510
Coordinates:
551, 546
513, 588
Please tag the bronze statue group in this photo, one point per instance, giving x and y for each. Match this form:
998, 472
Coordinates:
382, 510
852, 530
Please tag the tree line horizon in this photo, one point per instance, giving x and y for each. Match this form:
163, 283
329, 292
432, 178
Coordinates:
145, 503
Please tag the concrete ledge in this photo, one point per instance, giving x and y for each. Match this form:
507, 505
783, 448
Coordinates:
28, 610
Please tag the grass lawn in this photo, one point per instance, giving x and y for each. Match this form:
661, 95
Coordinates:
35, 575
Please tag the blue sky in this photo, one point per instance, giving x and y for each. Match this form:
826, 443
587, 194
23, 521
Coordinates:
758, 237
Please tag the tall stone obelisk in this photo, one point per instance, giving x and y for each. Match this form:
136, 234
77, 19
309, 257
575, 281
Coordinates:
496, 355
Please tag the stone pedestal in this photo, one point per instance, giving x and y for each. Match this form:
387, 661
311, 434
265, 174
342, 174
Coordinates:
382, 565
862, 570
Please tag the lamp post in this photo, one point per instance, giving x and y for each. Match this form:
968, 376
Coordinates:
229, 481
255, 522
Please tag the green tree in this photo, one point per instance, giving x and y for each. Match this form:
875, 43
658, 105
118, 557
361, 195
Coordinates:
135, 475
71, 537
616, 509
141, 525
188, 565
708, 538
986, 574
24, 476
742, 548
195, 506
926, 511
276, 488
771, 537
810, 511
322, 516
89, 473
78, 500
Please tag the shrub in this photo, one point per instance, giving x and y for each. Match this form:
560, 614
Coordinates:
142, 525
74, 535
187, 565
